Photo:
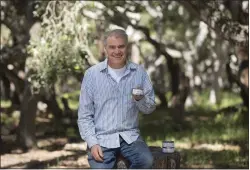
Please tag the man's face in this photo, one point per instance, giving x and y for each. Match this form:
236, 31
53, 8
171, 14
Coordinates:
116, 50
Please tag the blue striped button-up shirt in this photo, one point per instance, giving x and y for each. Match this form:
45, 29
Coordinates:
107, 108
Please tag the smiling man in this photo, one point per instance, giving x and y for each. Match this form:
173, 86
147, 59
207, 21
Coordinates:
108, 110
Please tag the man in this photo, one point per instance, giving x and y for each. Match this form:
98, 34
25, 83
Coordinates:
108, 112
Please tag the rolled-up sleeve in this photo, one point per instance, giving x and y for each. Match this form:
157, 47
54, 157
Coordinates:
86, 111
147, 103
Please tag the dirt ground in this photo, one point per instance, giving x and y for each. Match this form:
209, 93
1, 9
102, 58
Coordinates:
51, 153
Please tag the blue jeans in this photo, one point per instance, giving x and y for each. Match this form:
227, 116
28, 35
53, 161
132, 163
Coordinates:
137, 153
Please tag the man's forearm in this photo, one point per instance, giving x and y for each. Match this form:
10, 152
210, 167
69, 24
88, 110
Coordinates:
87, 133
146, 105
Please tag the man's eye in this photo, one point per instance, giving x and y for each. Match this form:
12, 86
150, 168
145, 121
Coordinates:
121, 47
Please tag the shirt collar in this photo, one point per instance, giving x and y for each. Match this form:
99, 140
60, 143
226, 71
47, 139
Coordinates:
104, 65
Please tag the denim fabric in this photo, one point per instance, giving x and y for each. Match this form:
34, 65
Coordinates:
137, 153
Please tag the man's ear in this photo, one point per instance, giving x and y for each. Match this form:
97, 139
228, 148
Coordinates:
105, 51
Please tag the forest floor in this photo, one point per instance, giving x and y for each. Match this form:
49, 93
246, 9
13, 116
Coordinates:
59, 153
52, 153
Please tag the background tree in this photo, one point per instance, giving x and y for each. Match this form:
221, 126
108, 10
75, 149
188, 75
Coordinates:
229, 19
17, 18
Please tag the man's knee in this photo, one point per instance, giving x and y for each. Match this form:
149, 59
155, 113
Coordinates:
143, 161
147, 160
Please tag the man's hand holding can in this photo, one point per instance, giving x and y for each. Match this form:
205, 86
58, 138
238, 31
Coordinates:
137, 94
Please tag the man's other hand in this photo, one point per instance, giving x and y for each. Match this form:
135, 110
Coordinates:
96, 152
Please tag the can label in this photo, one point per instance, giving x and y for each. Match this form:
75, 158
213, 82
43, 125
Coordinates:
137, 92
168, 150
168, 146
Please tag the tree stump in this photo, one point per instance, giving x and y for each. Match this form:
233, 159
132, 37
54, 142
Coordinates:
161, 160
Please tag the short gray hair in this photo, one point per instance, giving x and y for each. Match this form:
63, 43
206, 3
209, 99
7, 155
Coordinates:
116, 32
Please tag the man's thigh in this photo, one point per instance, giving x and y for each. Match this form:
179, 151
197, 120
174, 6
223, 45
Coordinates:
108, 162
137, 153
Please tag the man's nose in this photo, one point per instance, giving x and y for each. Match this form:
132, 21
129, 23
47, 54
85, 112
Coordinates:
117, 50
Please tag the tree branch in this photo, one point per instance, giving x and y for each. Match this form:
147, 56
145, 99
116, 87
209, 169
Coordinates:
226, 30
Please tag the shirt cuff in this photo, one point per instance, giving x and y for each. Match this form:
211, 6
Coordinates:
91, 141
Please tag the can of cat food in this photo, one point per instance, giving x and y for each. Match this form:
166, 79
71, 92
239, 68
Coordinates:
168, 146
